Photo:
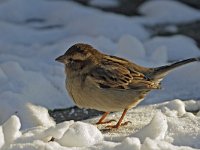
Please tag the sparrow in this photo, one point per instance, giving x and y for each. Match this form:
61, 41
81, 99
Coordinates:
108, 83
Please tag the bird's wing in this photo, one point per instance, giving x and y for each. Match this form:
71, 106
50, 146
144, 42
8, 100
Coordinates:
115, 75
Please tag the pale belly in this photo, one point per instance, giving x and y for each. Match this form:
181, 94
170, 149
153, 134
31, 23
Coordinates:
100, 99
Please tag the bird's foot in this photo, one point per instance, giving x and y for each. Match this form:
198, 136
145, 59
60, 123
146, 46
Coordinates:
105, 122
126, 123
116, 126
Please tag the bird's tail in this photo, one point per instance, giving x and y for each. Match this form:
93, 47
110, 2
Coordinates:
160, 72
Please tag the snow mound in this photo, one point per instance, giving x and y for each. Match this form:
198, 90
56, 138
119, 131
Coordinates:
192, 105
161, 12
156, 129
177, 47
85, 135
131, 48
68, 134
37, 115
30, 114
10, 130
175, 107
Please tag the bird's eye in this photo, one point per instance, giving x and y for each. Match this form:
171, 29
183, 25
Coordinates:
70, 59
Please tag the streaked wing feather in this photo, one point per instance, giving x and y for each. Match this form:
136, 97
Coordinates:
115, 75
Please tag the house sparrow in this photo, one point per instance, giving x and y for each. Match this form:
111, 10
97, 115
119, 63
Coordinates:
109, 83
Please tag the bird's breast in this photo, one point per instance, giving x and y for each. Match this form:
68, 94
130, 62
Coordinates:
73, 86
87, 95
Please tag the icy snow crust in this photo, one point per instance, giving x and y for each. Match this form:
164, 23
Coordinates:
32, 82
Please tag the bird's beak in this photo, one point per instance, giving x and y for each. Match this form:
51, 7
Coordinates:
61, 59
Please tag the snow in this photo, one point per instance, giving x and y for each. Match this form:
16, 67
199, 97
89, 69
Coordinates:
150, 144
37, 116
131, 48
175, 107
150, 129
177, 47
85, 135
11, 130
168, 11
2, 141
33, 33
156, 129
104, 3
192, 105
129, 143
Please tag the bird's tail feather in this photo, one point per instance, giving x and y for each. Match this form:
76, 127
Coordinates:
160, 72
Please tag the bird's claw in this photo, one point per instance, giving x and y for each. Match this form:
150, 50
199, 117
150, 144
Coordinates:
105, 122
116, 126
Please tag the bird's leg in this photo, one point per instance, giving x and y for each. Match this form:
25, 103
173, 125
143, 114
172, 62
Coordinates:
103, 117
120, 120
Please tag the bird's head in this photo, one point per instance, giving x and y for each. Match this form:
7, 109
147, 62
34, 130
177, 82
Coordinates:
79, 56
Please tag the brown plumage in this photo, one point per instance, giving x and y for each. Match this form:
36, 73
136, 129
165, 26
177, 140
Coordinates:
109, 83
